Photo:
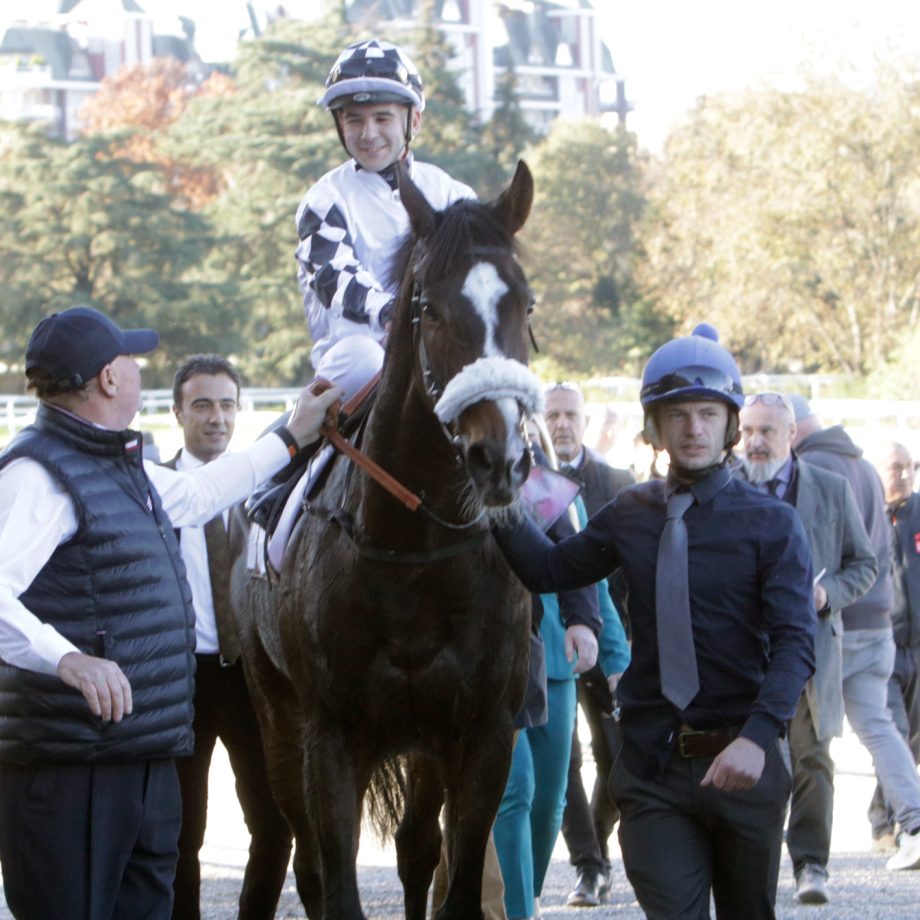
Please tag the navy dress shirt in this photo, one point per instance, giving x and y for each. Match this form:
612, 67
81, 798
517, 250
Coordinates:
751, 605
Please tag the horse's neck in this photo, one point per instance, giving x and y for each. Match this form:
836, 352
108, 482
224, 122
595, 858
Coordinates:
406, 440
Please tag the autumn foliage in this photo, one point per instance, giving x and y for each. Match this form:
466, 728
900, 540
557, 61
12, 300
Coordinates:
139, 103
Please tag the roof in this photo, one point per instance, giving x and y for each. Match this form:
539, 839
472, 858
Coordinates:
128, 6
56, 48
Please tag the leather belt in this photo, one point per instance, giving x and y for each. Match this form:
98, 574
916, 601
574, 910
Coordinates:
692, 743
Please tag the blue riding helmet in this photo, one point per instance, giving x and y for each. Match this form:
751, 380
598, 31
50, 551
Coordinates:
692, 367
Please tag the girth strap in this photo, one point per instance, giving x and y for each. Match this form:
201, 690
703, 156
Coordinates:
344, 520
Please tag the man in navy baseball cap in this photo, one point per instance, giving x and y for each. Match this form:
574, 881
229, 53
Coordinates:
97, 625
73, 346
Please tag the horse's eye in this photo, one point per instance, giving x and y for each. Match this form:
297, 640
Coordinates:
531, 306
428, 311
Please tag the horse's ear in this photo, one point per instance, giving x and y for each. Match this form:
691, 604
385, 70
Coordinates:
513, 205
421, 213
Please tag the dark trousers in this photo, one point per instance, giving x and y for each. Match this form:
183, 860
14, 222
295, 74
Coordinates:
223, 709
586, 827
680, 840
811, 812
89, 841
904, 703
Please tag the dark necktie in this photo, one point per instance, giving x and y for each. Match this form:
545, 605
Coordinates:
569, 470
218, 546
772, 486
680, 681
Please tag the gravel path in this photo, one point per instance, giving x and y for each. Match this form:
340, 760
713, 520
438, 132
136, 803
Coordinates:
860, 886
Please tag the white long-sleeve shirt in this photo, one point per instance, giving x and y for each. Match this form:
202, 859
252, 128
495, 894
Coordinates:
194, 549
37, 515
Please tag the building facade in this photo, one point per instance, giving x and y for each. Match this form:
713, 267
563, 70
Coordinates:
561, 66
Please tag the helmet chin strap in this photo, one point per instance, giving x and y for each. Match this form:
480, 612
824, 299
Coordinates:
686, 475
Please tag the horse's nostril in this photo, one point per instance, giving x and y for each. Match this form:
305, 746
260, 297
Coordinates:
522, 467
479, 460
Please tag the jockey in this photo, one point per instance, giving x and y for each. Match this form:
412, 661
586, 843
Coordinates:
349, 223
351, 220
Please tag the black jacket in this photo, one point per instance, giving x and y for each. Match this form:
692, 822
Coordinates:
905, 613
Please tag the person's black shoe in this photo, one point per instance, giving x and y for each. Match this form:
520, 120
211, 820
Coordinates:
590, 889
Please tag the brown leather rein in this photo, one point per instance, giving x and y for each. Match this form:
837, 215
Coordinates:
344, 446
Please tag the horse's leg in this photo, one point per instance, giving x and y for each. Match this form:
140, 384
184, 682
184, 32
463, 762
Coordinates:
281, 726
418, 837
475, 784
283, 749
335, 778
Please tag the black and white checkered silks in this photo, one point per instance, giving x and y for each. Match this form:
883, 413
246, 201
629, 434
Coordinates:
329, 263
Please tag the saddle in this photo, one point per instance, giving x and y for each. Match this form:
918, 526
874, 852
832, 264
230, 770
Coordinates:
265, 506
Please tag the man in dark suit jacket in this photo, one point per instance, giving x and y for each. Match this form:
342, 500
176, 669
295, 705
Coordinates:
585, 827
898, 470
205, 401
845, 568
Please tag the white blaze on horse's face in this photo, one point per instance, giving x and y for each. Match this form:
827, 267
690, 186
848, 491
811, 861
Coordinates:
484, 288
489, 396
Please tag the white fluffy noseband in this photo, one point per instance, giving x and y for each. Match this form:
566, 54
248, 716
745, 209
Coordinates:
490, 379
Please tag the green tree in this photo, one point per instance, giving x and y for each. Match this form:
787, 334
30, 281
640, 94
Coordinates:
507, 133
82, 227
270, 141
581, 250
790, 219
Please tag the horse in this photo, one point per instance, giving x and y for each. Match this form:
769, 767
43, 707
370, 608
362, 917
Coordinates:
393, 651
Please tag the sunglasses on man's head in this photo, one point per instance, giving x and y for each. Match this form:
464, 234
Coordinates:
768, 398
568, 385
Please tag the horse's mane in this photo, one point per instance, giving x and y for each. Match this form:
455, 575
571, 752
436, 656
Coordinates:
461, 228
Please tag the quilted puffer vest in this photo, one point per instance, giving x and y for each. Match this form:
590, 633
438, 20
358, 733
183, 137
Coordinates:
117, 589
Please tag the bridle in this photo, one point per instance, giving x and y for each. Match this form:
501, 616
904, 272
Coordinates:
516, 382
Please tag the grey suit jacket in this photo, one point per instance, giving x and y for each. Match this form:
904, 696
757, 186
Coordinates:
840, 545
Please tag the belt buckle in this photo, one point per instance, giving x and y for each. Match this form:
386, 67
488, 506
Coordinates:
682, 737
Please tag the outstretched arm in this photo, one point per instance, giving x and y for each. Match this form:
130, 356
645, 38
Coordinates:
544, 566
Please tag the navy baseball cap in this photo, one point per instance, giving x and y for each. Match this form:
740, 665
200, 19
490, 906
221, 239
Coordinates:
75, 345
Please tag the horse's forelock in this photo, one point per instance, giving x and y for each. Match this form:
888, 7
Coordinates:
467, 228
464, 228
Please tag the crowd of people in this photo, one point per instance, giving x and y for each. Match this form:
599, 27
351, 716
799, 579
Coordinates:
715, 612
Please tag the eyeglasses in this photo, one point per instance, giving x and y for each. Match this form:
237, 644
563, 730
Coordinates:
770, 398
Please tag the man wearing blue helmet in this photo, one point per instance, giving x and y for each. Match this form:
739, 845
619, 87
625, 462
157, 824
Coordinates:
721, 604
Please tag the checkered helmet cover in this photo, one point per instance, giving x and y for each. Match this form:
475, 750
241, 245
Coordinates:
373, 71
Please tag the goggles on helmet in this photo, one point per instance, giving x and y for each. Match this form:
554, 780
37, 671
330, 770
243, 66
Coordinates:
696, 380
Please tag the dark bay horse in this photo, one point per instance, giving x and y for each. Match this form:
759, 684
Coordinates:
398, 633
